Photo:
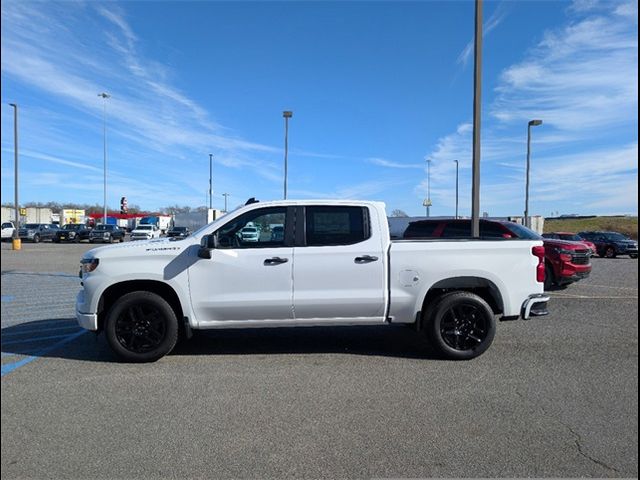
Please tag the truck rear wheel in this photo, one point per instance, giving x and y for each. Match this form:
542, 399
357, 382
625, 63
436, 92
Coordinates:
461, 325
141, 327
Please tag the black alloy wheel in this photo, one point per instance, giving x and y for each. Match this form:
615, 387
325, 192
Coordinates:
610, 252
141, 327
461, 325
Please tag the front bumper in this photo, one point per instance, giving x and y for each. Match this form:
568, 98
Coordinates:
535, 306
88, 321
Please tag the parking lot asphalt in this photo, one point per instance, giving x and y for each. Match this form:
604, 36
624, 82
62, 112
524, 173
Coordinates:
553, 397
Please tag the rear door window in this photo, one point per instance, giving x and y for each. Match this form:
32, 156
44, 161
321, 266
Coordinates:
336, 225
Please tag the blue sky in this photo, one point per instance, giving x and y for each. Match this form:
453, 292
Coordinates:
376, 89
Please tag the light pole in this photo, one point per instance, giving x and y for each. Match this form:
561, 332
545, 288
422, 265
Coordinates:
532, 123
477, 121
427, 203
210, 180
456, 187
225, 195
104, 136
287, 115
14, 235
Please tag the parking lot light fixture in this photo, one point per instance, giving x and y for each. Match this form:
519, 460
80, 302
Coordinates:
532, 123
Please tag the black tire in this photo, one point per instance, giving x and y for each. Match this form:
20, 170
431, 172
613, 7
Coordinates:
461, 326
549, 278
36, 238
633, 255
610, 252
141, 327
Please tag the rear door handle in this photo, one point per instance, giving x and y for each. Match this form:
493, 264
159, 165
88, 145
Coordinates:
275, 261
366, 259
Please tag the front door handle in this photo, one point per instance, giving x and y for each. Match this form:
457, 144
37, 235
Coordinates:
275, 261
365, 259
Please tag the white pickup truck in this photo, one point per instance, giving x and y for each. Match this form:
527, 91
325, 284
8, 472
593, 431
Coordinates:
334, 265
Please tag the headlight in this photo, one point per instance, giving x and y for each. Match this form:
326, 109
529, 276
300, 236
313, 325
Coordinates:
88, 265
562, 251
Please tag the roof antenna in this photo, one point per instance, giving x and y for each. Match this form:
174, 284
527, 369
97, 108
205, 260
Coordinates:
252, 200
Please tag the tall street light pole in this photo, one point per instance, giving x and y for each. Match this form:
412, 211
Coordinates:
456, 187
532, 123
225, 195
287, 115
477, 110
210, 180
15, 176
104, 136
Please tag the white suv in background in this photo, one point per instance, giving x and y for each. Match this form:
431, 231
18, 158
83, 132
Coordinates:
145, 232
7, 230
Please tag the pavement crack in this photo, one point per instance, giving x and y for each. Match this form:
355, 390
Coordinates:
578, 442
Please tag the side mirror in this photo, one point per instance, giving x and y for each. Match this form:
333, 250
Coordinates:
207, 243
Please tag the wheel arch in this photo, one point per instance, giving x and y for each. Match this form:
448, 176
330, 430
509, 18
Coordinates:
483, 287
117, 290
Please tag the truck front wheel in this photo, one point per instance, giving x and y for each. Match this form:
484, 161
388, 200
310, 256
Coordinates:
141, 327
461, 325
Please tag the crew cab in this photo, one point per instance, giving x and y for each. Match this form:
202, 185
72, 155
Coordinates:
334, 265
106, 233
36, 232
72, 232
145, 232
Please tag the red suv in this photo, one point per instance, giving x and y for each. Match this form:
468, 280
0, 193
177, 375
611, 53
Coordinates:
565, 261
574, 237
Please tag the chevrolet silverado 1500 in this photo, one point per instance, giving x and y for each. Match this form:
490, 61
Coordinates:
334, 265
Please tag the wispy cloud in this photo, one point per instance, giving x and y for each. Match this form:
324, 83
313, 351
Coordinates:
143, 107
494, 20
581, 79
390, 164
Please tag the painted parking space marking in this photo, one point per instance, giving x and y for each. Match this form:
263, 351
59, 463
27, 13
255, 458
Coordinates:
11, 367
38, 316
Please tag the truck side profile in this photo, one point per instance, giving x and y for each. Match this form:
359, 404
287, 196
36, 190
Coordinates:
334, 265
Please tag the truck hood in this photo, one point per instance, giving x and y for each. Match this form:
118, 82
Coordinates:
140, 248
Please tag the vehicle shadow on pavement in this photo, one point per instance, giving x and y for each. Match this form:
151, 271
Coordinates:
387, 341
57, 338
62, 338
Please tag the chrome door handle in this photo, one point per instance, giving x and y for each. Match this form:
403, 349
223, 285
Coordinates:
365, 259
275, 261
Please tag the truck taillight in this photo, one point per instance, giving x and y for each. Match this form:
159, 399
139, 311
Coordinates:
538, 251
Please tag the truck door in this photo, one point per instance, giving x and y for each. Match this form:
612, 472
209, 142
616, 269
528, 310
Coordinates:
246, 278
339, 272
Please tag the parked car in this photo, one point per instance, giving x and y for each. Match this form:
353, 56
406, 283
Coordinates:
7, 230
565, 262
572, 237
178, 232
611, 244
36, 232
335, 266
277, 233
145, 232
106, 233
249, 234
72, 232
